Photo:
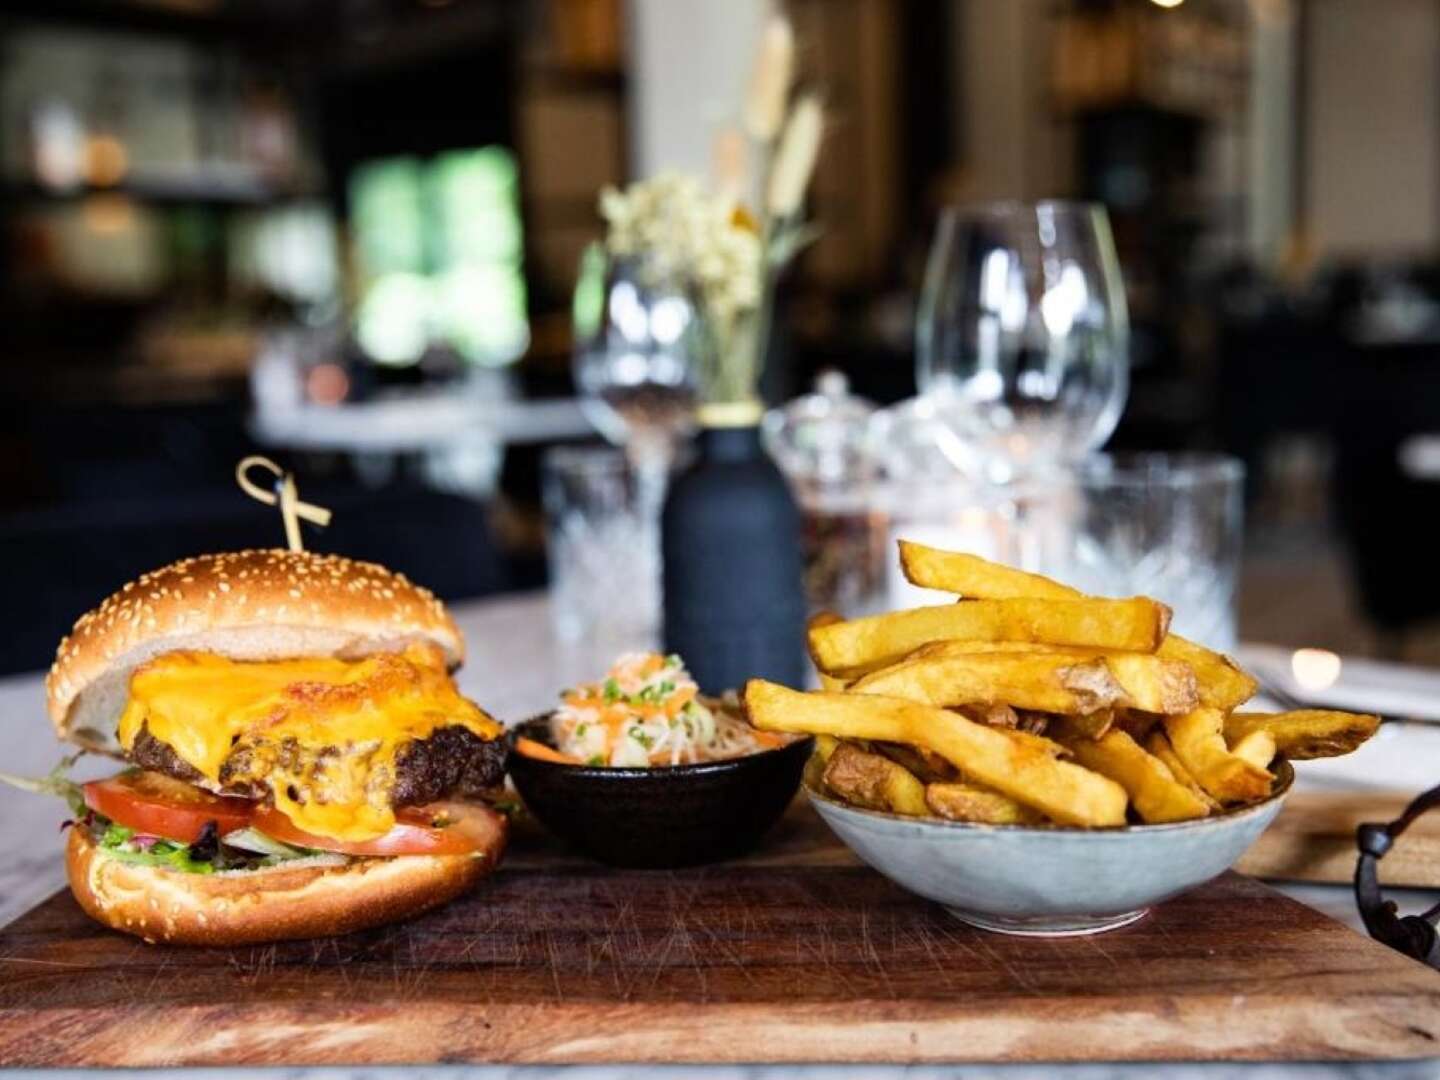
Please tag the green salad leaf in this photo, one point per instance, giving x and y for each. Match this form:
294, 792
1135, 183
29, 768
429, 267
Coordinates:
57, 783
121, 843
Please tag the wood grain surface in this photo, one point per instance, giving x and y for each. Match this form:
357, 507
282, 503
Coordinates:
1313, 839
795, 954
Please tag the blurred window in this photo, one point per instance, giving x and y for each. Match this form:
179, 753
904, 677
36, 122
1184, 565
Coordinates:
439, 250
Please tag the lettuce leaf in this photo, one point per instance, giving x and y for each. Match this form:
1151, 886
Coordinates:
57, 783
123, 844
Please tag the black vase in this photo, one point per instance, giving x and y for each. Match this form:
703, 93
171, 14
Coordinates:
733, 587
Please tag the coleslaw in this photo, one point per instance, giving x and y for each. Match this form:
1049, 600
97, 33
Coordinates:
648, 711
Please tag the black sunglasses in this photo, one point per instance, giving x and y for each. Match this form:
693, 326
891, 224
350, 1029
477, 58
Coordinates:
1413, 935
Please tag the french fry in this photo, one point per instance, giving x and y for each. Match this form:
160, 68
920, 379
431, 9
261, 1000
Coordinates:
1018, 768
873, 781
1258, 748
956, 648
818, 620
967, 802
1221, 685
1154, 684
852, 648
1147, 682
1024, 681
973, 577
1199, 743
1044, 682
1158, 746
1154, 792
1306, 733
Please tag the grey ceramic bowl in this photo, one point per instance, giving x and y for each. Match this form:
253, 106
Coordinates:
1020, 879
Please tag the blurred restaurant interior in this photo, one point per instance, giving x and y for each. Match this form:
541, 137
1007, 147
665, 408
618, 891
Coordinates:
346, 234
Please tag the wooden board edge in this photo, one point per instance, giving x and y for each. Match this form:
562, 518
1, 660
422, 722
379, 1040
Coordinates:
1290, 1025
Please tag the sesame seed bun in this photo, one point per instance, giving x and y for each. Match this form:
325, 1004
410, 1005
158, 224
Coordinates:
248, 605
275, 904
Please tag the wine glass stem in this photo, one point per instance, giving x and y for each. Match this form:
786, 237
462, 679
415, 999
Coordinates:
652, 476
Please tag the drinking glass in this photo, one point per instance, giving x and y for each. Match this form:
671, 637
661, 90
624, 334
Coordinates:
1022, 334
1168, 526
639, 336
604, 552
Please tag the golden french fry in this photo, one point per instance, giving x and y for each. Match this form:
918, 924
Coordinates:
859, 646
1154, 684
819, 619
1198, 740
1258, 748
1306, 733
956, 648
1020, 680
967, 802
1147, 681
1154, 792
873, 781
973, 577
1221, 685
1043, 682
1015, 767
1158, 746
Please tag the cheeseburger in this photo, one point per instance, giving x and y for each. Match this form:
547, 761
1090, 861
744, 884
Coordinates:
300, 760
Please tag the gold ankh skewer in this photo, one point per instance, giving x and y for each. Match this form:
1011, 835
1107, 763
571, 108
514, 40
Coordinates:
285, 496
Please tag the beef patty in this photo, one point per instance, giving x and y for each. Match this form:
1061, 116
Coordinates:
454, 762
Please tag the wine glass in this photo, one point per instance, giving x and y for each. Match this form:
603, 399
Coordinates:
639, 336
1022, 334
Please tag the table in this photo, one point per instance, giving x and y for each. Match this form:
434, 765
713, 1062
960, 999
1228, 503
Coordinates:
513, 669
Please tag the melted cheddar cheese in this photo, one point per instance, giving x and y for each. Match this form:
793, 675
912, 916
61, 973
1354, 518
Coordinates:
321, 733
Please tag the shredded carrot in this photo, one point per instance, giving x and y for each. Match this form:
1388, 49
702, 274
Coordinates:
533, 749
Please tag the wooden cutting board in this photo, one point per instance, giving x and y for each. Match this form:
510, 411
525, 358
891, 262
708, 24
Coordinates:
795, 954
1313, 839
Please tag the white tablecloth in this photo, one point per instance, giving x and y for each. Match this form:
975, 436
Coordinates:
514, 669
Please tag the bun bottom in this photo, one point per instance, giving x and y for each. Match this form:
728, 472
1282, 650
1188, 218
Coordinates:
275, 904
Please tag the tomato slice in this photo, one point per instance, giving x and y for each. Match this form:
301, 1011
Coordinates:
441, 828
158, 805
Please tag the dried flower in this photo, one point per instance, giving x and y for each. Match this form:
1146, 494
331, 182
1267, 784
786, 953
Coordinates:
686, 231
795, 160
770, 81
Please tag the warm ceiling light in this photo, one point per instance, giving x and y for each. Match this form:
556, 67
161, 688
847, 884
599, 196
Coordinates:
1167, 3
1315, 669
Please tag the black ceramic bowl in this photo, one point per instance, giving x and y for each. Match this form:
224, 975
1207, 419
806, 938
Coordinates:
668, 816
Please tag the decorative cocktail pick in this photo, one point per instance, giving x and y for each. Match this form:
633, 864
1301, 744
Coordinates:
284, 495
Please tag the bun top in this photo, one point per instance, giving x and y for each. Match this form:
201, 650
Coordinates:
248, 605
